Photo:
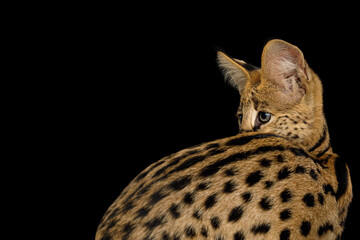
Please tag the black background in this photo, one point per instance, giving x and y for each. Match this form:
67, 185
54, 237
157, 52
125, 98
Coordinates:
127, 88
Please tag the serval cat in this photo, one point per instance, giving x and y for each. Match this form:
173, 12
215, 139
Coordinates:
277, 179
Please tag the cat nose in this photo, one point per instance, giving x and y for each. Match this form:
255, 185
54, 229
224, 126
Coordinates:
246, 127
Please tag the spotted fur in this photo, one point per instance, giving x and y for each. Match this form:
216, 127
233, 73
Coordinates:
280, 180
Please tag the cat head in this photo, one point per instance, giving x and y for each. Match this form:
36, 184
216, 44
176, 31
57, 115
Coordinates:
284, 96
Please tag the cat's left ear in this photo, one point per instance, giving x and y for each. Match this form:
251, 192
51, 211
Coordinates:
284, 66
237, 72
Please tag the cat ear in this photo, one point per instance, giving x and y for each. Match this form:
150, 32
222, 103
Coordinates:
234, 71
283, 65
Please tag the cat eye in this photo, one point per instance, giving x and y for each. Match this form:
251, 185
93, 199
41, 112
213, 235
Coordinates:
264, 117
240, 117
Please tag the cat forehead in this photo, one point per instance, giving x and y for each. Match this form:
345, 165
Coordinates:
255, 96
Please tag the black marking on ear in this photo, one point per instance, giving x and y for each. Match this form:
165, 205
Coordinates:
341, 177
261, 228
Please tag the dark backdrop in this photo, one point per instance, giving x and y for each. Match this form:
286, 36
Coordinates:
132, 90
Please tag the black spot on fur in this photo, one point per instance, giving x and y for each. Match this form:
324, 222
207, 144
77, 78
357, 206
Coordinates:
246, 196
309, 200
142, 212
210, 201
106, 236
254, 178
286, 195
188, 163
245, 139
285, 234
229, 187
313, 174
197, 214
265, 203
305, 228
156, 221
215, 222
165, 236
128, 206
321, 198
202, 186
157, 196
280, 158
328, 188
180, 183
261, 228
190, 231
174, 211
325, 228
230, 172
216, 166
239, 236
235, 214
284, 173
285, 215
265, 162
300, 169
204, 231
189, 198
268, 184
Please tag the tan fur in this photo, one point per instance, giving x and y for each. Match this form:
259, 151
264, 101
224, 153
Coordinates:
278, 181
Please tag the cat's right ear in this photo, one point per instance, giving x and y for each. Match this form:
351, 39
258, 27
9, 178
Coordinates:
233, 71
